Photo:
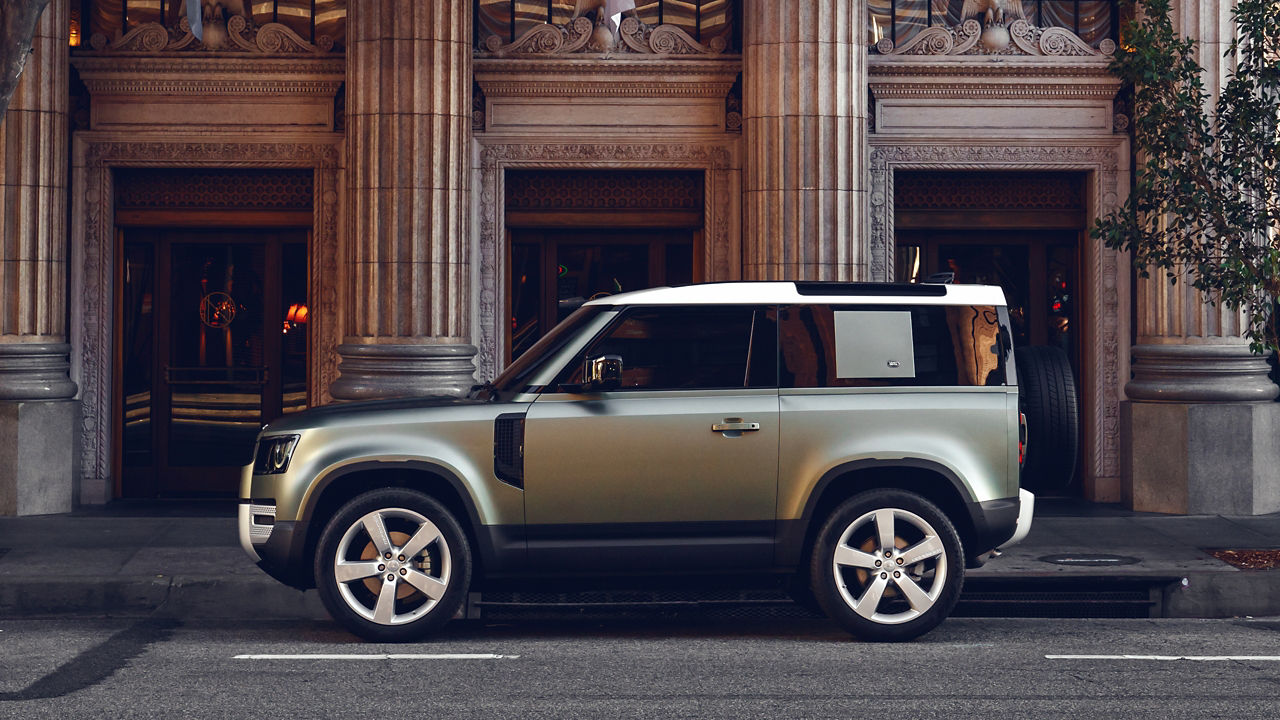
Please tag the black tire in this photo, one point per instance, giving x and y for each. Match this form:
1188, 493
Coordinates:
901, 611
1047, 396
389, 604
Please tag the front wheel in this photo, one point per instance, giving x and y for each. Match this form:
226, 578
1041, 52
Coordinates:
392, 565
887, 565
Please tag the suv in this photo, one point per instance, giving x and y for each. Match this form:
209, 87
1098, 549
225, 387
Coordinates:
861, 439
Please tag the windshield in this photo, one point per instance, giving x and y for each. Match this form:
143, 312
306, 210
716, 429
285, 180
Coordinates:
515, 377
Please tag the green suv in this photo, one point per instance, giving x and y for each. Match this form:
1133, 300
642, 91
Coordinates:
860, 440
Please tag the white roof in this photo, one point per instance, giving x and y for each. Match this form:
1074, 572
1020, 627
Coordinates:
751, 293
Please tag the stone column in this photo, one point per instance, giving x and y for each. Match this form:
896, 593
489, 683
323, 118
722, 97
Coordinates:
38, 416
408, 151
805, 103
1201, 424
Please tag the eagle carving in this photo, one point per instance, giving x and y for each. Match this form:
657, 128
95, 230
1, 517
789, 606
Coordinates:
998, 12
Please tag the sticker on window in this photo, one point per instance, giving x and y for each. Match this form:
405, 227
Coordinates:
874, 344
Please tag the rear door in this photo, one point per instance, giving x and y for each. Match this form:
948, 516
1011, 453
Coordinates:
675, 469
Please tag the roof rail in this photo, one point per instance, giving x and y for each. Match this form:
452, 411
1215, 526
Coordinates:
870, 288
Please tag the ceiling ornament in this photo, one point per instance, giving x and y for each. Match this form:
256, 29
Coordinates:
241, 36
1023, 38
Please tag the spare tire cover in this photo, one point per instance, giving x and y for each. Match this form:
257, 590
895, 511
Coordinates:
1047, 396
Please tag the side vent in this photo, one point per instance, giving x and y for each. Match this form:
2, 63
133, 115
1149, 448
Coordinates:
508, 449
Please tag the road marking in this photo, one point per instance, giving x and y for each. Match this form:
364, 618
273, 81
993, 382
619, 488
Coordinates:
380, 656
1202, 658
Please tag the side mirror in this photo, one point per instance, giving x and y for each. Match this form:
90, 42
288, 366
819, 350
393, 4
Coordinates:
603, 372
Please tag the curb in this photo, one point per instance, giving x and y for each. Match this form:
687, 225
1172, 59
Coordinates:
1198, 595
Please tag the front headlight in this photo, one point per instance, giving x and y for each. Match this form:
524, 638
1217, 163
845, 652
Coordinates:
274, 454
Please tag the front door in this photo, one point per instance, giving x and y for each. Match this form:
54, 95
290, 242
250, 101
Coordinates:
677, 467
213, 345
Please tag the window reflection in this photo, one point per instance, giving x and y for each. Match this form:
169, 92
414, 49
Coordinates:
310, 19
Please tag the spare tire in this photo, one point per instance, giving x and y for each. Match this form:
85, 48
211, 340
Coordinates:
1047, 396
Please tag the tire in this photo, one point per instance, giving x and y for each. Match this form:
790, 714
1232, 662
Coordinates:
1047, 396
890, 607
386, 599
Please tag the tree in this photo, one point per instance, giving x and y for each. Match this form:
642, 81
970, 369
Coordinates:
18, 20
1204, 206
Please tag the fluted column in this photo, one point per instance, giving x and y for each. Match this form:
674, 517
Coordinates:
37, 415
408, 144
1200, 419
805, 131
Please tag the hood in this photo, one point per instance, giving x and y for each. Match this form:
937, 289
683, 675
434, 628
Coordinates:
327, 413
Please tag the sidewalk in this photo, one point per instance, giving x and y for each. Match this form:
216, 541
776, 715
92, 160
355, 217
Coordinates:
183, 559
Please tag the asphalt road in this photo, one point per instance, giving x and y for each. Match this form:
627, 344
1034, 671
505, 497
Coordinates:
649, 667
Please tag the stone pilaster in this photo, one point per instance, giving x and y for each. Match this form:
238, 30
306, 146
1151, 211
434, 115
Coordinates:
408, 143
37, 413
805, 133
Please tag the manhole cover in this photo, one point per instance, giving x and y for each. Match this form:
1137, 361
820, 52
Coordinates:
1090, 560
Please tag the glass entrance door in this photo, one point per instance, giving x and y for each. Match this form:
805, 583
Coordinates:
213, 345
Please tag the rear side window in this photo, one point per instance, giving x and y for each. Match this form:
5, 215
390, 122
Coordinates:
877, 346
683, 348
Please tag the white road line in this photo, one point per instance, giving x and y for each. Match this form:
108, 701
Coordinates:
380, 656
1203, 658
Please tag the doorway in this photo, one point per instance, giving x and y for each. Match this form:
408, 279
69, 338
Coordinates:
1038, 271
212, 334
574, 235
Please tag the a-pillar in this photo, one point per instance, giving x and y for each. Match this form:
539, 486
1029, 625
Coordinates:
38, 415
805, 132
408, 152
1200, 422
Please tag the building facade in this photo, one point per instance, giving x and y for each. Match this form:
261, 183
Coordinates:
302, 202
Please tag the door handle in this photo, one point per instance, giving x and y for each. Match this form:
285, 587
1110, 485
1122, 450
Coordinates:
735, 424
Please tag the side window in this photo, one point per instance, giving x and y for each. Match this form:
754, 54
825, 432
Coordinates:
681, 348
871, 346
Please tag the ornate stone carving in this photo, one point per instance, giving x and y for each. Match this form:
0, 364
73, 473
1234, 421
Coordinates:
1027, 39
1102, 269
581, 35
733, 107
715, 160
241, 36
665, 40
94, 238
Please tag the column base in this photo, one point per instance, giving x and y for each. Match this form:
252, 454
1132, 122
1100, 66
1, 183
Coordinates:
374, 371
38, 457
1202, 458
1199, 374
35, 371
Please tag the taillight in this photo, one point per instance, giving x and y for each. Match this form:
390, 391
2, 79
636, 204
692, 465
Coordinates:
1022, 437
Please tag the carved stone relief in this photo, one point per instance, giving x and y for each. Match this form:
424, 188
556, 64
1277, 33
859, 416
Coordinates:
581, 35
1102, 267
719, 208
94, 237
236, 34
1020, 38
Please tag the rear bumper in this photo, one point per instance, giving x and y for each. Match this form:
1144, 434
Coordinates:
1000, 523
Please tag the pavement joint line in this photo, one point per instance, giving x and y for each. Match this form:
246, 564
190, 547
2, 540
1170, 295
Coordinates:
1198, 658
380, 656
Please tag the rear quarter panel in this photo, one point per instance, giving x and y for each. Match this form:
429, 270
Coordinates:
963, 429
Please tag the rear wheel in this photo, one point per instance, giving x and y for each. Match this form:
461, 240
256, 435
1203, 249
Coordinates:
392, 565
887, 565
